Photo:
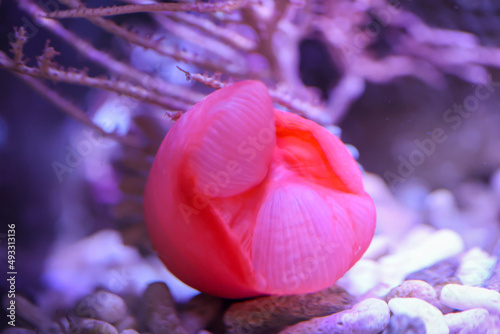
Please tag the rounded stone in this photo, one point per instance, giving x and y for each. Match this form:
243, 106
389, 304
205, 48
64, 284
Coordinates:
476, 267
92, 326
128, 322
414, 307
462, 297
414, 289
361, 278
400, 323
423, 249
466, 321
370, 316
129, 331
102, 305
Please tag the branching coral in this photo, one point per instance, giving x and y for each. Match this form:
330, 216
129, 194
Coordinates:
219, 41
223, 6
47, 70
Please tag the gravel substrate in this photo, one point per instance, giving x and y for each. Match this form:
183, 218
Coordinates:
414, 278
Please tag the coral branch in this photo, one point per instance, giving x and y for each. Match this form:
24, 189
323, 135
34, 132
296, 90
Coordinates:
267, 21
226, 6
220, 52
311, 111
45, 60
81, 78
225, 34
18, 45
229, 59
148, 43
213, 81
71, 110
314, 112
159, 86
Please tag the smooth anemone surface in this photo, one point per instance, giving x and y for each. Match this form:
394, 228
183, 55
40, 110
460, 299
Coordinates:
245, 200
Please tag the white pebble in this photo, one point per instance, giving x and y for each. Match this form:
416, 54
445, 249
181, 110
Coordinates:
414, 307
415, 289
393, 218
379, 246
361, 278
476, 267
430, 249
127, 322
96, 327
370, 316
415, 237
462, 297
442, 209
102, 305
466, 321
129, 331
102, 260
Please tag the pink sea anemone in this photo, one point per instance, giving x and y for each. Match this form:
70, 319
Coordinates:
245, 200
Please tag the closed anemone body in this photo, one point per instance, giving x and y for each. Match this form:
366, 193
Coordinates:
245, 200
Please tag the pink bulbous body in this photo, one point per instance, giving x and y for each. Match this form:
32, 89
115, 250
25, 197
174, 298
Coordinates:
245, 200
